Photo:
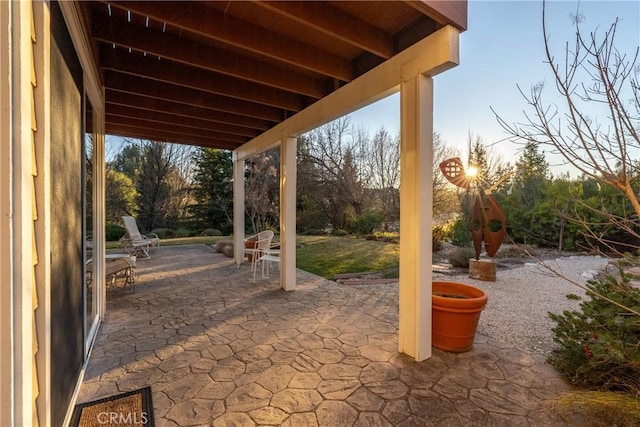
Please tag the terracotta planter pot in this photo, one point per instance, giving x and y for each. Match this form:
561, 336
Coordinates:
250, 244
455, 314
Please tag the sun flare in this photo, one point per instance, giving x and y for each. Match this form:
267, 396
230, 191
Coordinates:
471, 171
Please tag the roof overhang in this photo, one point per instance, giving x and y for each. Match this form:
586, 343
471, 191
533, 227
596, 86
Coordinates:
221, 74
431, 56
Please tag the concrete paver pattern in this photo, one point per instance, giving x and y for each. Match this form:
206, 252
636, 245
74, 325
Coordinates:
218, 350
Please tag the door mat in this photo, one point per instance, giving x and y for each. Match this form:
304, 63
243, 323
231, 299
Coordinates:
133, 408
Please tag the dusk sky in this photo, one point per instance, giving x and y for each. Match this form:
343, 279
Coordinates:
502, 48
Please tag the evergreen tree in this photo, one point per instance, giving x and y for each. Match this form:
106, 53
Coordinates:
129, 160
213, 189
534, 171
528, 193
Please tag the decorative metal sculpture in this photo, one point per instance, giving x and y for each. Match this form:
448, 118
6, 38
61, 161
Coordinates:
488, 222
453, 170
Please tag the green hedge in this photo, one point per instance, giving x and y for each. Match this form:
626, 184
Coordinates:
113, 232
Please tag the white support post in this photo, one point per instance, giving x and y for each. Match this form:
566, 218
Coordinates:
42, 139
7, 380
288, 172
17, 276
416, 206
99, 207
238, 209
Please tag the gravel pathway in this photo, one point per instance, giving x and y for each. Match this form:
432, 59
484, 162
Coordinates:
521, 297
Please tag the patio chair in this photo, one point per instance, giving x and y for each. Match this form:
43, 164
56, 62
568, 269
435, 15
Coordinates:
136, 243
256, 246
119, 268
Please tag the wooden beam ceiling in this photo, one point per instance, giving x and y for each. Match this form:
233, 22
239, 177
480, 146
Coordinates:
219, 74
190, 53
213, 25
147, 67
119, 99
333, 22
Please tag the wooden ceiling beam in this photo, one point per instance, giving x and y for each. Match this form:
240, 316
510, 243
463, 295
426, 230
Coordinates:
208, 22
142, 133
147, 67
431, 56
334, 22
444, 12
160, 90
176, 128
206, 57
191, 122
115, 98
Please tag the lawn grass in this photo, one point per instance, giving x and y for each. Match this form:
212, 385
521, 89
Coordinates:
330, 255
205, 240
325, 256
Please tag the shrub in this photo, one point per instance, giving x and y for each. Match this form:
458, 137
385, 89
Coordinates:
460, 232
340, 232
310, 220
597, 347
211, 232
312, 232
228, 250
601, 408
459, 257
515, 251
113, 232
437, 238
164, 233
225, 247
220, 244
366, 223
183, 232
387, 236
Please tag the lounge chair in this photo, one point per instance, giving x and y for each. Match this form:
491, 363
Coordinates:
118, 268
136, 243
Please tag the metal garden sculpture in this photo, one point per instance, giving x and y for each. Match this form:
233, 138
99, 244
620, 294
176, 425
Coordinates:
488, 222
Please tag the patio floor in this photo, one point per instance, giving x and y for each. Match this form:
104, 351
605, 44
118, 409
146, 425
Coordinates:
219, 350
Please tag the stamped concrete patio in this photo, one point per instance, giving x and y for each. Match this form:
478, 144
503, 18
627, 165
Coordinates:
219, 350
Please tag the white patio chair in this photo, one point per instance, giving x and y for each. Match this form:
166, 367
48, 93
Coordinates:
262, 244
136, 243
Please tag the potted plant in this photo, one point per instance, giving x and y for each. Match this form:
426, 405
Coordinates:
250, 243
456, 310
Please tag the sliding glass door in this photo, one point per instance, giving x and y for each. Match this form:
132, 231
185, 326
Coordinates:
90, 288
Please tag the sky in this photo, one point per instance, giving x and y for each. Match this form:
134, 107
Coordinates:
501, 49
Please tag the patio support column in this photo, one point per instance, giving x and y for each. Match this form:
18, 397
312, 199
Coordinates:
288, 172
17, 211
416, 197
99, 207
238, 209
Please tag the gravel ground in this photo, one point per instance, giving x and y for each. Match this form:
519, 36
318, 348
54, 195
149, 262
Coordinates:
521, 297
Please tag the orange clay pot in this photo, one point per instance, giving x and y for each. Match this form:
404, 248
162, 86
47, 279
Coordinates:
456, 311
250, 244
